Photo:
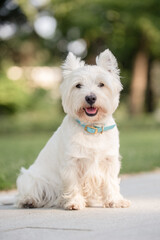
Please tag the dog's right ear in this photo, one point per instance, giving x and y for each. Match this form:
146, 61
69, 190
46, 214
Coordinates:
71, 63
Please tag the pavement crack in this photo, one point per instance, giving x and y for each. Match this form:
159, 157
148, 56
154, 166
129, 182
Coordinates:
50, 228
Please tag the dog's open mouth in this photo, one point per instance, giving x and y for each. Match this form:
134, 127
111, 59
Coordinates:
91, 111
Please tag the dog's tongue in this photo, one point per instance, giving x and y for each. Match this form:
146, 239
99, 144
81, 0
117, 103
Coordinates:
91, 110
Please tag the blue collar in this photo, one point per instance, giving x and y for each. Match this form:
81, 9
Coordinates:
95, 129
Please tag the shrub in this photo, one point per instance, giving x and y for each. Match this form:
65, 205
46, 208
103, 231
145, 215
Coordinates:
14, 96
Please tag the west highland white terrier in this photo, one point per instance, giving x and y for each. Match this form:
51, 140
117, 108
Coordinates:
79, 165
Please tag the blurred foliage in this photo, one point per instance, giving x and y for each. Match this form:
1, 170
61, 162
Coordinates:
43, 114
119, 25
13, 96
123, 26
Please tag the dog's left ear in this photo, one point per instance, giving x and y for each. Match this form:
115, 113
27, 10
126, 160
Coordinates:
108, 62
71, 63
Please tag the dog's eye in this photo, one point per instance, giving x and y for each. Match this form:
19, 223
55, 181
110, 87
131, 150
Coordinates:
78, 85
101, 85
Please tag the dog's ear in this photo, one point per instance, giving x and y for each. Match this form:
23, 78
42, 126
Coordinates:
108, 62
71, 63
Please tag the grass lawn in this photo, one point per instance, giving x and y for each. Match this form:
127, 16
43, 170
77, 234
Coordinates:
17, 151
140, 150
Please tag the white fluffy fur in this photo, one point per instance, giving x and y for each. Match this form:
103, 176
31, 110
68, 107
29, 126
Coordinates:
77, 168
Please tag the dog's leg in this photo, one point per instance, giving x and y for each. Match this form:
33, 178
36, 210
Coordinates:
34, 192
111, 189
71, 198
26, 197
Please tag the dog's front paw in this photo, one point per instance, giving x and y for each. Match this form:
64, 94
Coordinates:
76, 203
73, 207
122, 203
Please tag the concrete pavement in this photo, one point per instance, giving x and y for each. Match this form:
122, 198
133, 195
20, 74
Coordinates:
139, 222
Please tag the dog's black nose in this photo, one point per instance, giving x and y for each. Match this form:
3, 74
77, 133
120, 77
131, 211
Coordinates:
91, 99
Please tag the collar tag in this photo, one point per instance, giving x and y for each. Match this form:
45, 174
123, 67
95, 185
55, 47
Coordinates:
95, 129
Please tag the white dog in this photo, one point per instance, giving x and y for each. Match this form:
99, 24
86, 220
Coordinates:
80, 163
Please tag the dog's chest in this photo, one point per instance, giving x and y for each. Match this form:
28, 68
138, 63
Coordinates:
93, 148
90, 154
91, 167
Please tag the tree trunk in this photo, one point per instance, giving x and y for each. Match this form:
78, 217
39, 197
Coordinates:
139, 83
150, 98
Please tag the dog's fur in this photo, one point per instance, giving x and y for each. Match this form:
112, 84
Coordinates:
77, 168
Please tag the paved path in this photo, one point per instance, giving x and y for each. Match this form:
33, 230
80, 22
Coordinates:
139, 222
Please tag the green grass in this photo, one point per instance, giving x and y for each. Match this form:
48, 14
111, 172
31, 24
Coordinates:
23, 135
140, 151
17, 151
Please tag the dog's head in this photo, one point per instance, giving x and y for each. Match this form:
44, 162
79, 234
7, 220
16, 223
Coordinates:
91, 93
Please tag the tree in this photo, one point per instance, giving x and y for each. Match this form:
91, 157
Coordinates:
131, 29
